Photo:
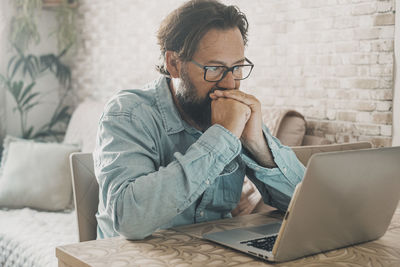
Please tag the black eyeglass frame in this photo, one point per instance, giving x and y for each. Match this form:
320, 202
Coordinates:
205, 68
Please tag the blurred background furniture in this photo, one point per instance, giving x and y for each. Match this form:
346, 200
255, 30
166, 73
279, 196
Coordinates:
28, 236
86, 194
290, 127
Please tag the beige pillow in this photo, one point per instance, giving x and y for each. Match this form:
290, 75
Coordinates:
289, 126
291, 131
35, 175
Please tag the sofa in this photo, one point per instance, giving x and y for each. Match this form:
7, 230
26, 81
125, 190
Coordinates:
28, 236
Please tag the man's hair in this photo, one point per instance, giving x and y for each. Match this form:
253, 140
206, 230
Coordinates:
182, 30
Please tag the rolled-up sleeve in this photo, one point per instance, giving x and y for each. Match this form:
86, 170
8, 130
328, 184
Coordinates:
276, 185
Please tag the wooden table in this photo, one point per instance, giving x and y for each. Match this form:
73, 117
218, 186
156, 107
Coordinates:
183, 246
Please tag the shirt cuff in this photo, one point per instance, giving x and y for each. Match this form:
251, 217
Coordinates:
285, 159
251, 163
221, 142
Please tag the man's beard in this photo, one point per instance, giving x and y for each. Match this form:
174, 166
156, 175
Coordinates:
196, 108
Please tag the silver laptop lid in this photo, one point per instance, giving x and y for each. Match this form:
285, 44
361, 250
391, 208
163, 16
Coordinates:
345, 198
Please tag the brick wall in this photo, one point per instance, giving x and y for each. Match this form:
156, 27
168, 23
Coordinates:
118, 47
332, 60
396, 94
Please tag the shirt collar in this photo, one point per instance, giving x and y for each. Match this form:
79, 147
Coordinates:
171, 119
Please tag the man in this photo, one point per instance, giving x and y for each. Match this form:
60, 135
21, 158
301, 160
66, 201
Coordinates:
177, 152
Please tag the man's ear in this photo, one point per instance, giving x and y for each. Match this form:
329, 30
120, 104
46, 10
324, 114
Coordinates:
173, 64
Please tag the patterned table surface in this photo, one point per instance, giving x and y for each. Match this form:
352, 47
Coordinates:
183, 247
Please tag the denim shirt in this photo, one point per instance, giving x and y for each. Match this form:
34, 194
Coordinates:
155, 171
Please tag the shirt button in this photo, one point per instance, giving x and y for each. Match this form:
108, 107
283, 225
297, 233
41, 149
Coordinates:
201, 213
284, 170
207, 181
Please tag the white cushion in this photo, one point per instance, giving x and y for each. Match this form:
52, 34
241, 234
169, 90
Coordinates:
35, 175
82, 127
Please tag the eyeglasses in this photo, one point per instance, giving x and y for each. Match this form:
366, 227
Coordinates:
217, 73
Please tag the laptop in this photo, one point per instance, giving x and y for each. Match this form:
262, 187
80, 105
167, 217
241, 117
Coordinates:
345, 198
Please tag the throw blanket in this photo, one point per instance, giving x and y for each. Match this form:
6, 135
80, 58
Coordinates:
28, 238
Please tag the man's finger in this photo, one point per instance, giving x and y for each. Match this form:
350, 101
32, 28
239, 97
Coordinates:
213, 96
237, 95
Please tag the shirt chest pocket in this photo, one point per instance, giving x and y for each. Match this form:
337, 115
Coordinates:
228, 187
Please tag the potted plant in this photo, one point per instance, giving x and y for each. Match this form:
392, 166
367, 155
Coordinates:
24, 69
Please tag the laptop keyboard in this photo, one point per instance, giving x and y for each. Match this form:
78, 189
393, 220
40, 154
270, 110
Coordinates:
265, 243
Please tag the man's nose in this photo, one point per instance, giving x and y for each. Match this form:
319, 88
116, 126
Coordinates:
228, 82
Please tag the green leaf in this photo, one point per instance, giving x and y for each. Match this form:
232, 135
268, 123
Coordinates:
28, 133
28, 67
25, 68
63, 114
16, 89
16, 66
59, 116
10, 63
47, 61
31, 64
37, 64
26, 91
26, 109
65, 50
64, 74
60, 70
28, 99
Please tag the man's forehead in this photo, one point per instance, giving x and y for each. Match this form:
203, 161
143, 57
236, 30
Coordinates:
221, 46
213, 61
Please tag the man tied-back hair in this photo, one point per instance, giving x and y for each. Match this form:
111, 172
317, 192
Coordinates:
177, 152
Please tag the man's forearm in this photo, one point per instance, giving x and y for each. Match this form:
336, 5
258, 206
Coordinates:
261, 153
